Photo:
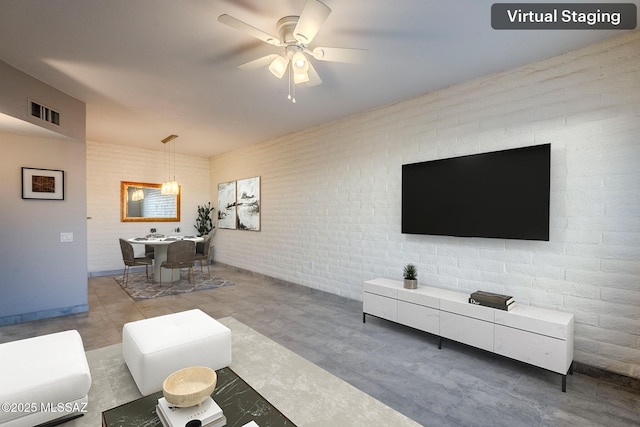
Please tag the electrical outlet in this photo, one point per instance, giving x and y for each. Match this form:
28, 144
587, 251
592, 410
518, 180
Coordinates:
66, 237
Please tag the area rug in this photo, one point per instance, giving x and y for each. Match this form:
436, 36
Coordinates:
140, 288
304, 392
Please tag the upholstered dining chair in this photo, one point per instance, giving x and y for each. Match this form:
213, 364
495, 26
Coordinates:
130, 260
180, 254
203, 252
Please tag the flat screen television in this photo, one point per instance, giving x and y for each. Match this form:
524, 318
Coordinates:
501, 194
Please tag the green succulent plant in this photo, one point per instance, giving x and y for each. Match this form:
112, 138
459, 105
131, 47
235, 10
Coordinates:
410, 272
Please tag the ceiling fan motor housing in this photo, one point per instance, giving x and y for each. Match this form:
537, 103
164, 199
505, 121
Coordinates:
286, 26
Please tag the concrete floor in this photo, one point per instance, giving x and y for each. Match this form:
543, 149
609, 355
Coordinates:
455, 386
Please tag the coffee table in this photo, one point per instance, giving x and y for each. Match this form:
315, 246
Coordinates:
239, 402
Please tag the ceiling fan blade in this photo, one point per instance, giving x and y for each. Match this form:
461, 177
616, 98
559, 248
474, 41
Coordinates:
258, 63
314, 78
340, 54
248, 29
311, 19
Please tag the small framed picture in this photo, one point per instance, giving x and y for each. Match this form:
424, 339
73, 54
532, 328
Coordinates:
42, 184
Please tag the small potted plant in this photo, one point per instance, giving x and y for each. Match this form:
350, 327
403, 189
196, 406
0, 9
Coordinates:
410, 274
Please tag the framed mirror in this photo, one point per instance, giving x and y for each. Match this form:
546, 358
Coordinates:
143, 202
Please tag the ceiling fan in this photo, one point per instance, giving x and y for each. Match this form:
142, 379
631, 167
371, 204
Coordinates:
295, 35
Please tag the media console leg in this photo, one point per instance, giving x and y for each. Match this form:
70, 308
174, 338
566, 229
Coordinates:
564, 383
364, 317
439, 343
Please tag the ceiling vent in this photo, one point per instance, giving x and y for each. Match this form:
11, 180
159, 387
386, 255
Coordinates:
44, 113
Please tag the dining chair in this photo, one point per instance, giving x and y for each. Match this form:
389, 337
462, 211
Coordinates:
130, 260
180, 254
203, 252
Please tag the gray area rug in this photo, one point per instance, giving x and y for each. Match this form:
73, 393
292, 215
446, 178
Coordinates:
140, 288
304, 392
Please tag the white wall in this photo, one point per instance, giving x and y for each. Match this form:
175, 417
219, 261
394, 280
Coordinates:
331, 195
107, 166
41, 277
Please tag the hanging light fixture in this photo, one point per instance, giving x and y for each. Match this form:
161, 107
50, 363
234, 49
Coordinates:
170, 187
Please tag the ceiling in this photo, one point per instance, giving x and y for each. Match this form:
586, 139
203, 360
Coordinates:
150, 68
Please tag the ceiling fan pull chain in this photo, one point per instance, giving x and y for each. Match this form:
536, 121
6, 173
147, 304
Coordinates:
289, 82
294, 94
292, 98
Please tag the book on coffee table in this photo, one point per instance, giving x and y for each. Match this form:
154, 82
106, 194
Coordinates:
220, 422
208, 412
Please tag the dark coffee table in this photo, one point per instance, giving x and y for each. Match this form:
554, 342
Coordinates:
240, 403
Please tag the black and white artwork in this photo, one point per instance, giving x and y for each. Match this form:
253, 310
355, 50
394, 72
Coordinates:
248, 204
227, 205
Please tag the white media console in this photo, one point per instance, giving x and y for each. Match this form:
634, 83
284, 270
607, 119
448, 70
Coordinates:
537, 336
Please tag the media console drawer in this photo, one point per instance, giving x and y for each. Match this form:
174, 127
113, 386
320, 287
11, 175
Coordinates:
539, 350
467, 330
537, 336
420, 317
379, 306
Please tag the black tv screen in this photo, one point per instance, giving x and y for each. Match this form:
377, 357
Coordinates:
502, 194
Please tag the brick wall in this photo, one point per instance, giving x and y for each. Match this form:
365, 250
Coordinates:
331, 195
107, 165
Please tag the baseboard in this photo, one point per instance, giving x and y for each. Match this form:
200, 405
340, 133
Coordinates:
44, 314
608, 376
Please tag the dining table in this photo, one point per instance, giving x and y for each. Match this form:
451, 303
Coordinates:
160, 245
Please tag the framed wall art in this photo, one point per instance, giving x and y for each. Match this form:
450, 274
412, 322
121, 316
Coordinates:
227, 205
42, 184
248, 204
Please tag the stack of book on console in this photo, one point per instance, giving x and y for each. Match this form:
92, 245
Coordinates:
208, 412
488, 299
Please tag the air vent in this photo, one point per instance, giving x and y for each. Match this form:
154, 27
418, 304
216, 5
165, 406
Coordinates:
44, 113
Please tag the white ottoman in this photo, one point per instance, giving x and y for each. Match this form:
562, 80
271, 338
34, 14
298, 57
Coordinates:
155, 348
45, 378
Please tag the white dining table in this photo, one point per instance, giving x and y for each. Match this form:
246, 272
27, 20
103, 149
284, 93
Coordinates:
160, 253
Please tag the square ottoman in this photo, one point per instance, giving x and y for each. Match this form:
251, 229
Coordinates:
156, 347
43, 379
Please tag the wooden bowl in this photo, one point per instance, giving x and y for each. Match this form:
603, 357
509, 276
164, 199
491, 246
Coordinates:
189, 386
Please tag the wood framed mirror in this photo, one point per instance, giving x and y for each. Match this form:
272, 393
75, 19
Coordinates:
143, 202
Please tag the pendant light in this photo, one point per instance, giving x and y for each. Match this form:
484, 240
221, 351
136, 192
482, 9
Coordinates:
170, 187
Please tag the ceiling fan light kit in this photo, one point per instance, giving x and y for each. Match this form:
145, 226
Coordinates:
296, 33
300, 77
279, 66
299, 62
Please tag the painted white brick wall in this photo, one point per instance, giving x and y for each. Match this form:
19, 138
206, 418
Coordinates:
107, 166
331, 195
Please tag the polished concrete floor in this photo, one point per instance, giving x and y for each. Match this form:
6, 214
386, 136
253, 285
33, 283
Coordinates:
455, 386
